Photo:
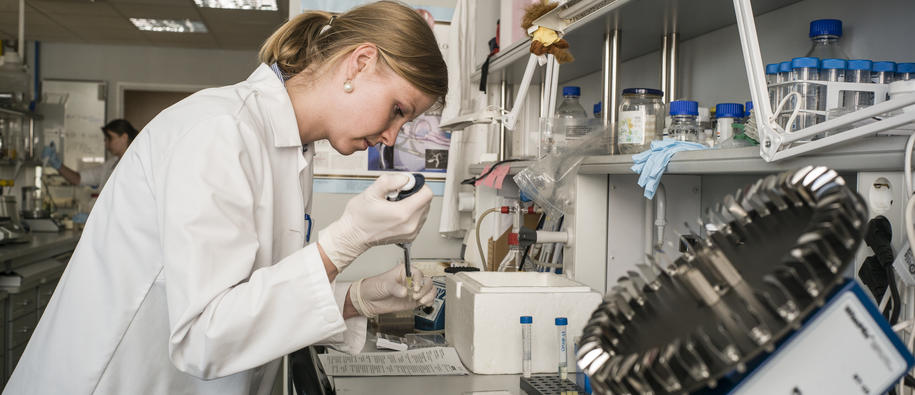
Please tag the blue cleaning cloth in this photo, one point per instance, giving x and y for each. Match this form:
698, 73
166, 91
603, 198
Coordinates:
652, 163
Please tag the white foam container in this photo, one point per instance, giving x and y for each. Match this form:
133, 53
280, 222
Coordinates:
482, 318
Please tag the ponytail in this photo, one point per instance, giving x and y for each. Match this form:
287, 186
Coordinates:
404, 40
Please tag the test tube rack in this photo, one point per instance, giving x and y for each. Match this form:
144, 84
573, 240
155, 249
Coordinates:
549, 385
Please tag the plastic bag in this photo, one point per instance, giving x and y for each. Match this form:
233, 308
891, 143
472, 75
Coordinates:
548, 181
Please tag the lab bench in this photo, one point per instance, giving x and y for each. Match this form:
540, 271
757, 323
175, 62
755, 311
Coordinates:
40, 262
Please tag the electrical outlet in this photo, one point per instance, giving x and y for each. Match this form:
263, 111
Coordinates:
884, 193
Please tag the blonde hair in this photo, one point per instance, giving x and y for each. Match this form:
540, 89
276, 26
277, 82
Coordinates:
404, 40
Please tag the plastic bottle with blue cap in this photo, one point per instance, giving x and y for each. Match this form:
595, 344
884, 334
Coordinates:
825, 35
684, 125
807, 69
571, 109
727, 114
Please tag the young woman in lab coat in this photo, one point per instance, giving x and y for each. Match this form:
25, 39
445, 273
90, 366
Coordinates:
193, 275
119, 133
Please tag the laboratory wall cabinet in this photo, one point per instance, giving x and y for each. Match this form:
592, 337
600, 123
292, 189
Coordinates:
705, 64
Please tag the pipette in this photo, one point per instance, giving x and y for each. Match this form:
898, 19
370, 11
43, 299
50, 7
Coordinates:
413, 185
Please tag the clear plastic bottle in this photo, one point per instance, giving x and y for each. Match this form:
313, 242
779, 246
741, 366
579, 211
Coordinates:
858, 71
684, 121
825, 34
883, 72
905, 71
727, 114
526, 323
807, 69
574, 115
640, 119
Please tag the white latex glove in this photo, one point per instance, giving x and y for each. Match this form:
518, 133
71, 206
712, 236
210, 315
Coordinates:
370, 220
387, 292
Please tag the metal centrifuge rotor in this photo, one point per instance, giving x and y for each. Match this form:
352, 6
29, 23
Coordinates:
778, 251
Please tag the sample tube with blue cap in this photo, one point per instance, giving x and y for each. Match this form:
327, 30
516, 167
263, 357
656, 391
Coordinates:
883, 72
859, 71
905, 71
526, 322
771, 80
806, 69
784, 75
833, 70
562, 325
747, 107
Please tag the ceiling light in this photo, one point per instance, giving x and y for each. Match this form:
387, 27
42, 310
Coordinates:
169, 25
260, 5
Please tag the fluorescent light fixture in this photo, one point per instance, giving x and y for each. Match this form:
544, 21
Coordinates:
259, 5
169, 25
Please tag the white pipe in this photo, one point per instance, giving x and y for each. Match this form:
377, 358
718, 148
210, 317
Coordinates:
544, 236
648, 229
660, 212
21, 48
521, 97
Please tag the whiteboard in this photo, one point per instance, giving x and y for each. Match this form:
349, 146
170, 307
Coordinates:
81, 142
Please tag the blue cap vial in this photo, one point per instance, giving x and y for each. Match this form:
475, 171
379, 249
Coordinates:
526, 319
562, 321
747, 107
860, 64
834, 64
803, 63
905, 68
571, 91
772, 68
597, 108
684, 107
729, 110
784, 67
826, 27
884, 66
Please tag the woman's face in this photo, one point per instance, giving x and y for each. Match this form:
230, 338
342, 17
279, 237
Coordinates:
380, 103
116, 144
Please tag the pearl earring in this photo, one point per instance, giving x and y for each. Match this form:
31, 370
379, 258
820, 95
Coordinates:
348, 86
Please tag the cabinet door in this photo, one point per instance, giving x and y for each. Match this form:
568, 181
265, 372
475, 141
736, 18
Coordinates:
21, 304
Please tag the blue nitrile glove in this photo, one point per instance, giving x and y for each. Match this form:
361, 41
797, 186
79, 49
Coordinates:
50, 158
652, 163
80, 218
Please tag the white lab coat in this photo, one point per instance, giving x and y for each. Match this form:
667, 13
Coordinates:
97, 176
191, 276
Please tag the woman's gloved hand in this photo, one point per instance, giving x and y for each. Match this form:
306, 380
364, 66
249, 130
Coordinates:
387, 292
370, 220
50, 158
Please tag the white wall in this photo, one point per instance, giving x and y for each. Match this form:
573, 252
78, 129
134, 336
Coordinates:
146, 65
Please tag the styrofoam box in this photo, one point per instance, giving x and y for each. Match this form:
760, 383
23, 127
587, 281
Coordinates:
483, 311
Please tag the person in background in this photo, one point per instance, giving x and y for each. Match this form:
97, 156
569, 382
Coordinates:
195, 274
119, 133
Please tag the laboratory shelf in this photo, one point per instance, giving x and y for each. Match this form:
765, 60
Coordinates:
884, 153
642, 24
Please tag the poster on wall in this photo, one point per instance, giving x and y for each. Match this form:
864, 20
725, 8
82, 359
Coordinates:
421, 147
